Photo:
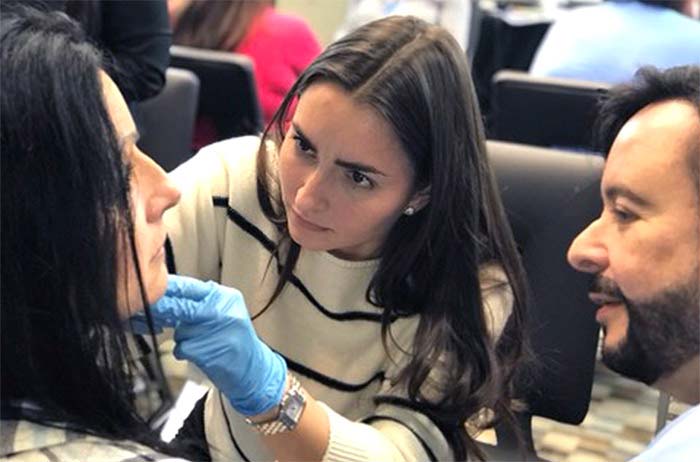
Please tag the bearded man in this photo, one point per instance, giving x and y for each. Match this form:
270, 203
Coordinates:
644, 249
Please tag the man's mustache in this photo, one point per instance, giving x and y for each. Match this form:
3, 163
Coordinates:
606, 286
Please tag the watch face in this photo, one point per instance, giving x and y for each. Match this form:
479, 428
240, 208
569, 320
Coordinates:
292, 408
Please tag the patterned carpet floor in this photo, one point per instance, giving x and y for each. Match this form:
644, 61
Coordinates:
621, 421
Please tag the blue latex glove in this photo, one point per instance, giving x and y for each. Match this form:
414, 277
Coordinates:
214, 331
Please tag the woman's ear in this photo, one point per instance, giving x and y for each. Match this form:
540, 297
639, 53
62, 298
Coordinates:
420, 199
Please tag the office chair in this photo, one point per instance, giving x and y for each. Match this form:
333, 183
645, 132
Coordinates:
227, 95
549, 197
167, 120
474, 29
544, 111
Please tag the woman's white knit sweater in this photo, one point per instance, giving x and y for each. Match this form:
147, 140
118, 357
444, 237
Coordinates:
321, 323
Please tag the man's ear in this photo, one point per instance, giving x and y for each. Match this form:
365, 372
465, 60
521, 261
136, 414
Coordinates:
420, 199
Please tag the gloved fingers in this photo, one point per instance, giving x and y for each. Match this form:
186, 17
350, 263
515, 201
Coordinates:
210, 332
170, 310
181, 355
203, 354
189, 288
196, 290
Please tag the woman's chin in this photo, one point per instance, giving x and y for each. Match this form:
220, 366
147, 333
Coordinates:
157, 288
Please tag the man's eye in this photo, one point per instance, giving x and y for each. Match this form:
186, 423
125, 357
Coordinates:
623, 216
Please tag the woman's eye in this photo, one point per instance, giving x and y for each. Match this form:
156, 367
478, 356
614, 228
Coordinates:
302, 144
361, 180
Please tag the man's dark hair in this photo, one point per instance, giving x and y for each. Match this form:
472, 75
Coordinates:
677, 5
650, 85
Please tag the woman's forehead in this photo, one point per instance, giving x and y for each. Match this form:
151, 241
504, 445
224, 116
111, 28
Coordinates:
117, 109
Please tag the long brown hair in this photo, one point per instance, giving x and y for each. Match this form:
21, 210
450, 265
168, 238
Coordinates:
416, 76
216, 24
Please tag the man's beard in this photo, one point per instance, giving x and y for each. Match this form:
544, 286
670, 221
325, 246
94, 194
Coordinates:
663, 332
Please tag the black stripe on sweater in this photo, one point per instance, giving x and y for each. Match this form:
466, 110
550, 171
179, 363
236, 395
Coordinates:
431, 455
244, 224
268, 244
330, 382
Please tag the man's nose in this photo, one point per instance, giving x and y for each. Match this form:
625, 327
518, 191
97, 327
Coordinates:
587, 252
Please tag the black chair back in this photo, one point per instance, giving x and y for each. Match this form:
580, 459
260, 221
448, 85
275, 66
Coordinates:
166, 121
228, 95
542, 111
549, 197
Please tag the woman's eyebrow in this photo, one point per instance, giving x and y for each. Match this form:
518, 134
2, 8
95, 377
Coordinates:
342, 163
358, 166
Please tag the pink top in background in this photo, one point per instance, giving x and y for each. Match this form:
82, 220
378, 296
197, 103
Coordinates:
281, 47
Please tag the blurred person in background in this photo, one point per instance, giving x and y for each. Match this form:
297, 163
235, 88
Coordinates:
280, 45
133, 36
453, 15
610, 41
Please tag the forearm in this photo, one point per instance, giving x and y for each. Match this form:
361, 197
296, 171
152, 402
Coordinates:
324, 435
394, 435
308, 441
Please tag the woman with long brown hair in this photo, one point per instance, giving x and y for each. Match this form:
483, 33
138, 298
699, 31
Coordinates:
367, 238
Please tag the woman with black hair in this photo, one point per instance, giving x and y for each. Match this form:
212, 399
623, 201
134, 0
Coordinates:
82, 249
366, 234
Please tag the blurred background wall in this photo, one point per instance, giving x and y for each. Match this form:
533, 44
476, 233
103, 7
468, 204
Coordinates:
324, 16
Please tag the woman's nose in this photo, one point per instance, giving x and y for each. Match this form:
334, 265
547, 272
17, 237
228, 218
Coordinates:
313, 195
587, 252
164, 194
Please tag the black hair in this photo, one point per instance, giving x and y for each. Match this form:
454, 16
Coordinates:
65, 217
650, 85
416, 77
677, 5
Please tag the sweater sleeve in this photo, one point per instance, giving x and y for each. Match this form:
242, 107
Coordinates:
392, 435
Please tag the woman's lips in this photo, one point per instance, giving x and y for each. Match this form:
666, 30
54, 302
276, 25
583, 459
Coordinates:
305, 223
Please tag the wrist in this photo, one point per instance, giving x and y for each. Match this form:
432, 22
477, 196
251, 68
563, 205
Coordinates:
259, 390
272, 413
287, 414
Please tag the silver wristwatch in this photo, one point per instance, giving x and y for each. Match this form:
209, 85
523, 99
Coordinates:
289, 411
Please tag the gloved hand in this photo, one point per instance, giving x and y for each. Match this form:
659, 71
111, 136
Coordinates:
214, 331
